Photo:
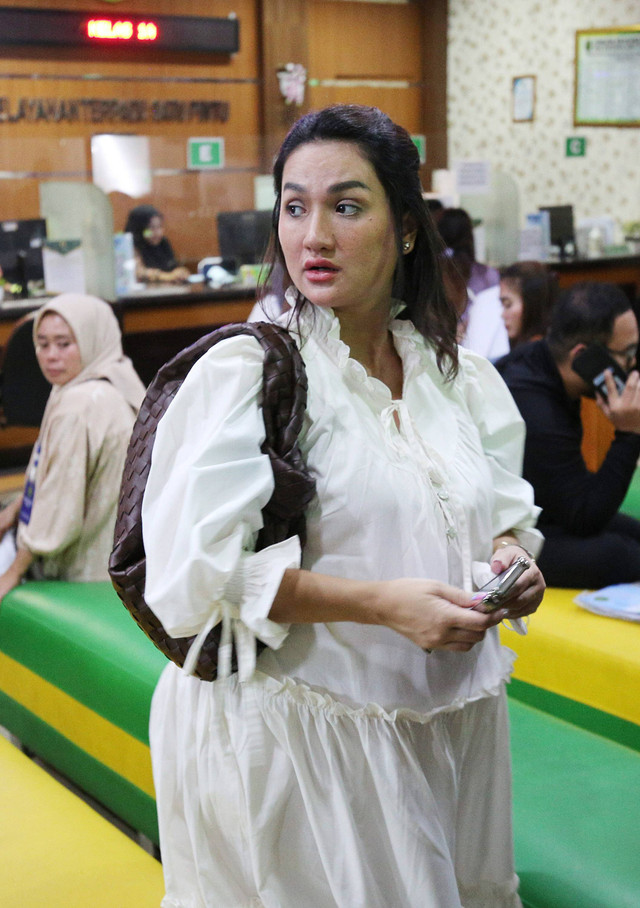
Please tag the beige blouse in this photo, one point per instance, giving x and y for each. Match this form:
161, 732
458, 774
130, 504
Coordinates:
76, 467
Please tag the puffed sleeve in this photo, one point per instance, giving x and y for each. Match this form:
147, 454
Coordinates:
202, 508
502, 432
57, 513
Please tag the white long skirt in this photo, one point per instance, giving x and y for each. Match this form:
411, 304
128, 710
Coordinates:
272, 795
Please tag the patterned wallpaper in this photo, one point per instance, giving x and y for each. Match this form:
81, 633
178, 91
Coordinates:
490, 42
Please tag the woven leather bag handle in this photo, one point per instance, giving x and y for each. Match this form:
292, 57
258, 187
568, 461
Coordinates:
283, 401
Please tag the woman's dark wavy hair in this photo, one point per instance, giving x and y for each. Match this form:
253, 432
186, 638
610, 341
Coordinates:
538, 288
456, 229
394, 157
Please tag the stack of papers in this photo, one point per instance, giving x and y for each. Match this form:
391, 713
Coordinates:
622, 600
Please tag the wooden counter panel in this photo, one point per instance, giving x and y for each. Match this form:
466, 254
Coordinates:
5, 331
20, 153
387, 46
189, 315
403, 105
622, 271
597, 434
21, 196
15, 445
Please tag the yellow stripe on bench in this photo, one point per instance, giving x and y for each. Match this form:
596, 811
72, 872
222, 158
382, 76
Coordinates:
588, 658
59, 853
98, 737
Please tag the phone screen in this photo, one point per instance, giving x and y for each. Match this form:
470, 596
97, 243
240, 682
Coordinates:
591, 365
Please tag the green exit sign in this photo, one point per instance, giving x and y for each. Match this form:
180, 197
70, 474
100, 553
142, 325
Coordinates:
576, 147
421, 144
205, 154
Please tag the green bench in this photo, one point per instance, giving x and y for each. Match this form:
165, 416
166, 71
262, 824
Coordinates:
631, 503
575, 715
76, 679
576, 818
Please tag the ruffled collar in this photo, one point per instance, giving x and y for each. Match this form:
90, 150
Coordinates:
323, 326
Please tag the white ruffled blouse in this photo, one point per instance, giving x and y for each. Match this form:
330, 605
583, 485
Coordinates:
416, 487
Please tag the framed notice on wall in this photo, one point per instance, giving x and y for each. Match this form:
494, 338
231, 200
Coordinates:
523, 98
607, 85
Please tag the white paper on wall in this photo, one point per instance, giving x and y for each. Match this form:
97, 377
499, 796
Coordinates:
121, 164
63, 264
473, 177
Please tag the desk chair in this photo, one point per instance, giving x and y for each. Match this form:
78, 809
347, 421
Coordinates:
23, 388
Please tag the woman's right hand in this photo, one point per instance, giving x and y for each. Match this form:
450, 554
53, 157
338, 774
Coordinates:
433, 615
622, 409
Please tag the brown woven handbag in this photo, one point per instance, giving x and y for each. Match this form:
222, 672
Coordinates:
283, 402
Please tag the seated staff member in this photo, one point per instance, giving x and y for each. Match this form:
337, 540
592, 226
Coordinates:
66, 514
588, 544
155, 258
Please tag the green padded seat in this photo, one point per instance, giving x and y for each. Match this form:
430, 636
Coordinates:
576, 820
631, 503
76, 680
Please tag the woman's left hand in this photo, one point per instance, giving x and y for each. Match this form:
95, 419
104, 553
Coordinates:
530, 586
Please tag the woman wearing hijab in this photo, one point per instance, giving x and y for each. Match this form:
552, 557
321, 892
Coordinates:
155, 258
66, 514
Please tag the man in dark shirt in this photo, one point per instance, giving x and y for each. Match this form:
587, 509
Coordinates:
588, 543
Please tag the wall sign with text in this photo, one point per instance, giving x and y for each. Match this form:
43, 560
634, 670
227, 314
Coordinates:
607, 67
111, 110
77, 28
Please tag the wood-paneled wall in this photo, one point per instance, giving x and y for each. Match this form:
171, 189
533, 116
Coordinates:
370, 53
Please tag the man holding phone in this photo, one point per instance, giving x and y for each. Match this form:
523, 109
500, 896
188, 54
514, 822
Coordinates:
590, 351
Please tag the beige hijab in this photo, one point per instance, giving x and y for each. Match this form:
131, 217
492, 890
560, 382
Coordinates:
97, 334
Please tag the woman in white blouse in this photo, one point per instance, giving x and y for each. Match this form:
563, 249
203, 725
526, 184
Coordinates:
362, 759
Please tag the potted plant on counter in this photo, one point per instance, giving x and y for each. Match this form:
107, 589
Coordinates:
632, 236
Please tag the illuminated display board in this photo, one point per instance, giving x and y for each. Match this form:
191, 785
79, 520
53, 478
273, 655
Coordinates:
68, 28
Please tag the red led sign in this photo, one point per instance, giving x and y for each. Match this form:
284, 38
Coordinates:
69, 28
121, 30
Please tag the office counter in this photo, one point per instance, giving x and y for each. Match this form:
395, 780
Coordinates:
175, 315
167, 307
623, 270
156, 308
12, 311
158, 322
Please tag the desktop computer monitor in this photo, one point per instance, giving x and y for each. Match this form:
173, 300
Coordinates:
244, 235
561, 228
21, 252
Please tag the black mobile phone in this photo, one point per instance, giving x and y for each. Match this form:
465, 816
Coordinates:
498, 589
591, 363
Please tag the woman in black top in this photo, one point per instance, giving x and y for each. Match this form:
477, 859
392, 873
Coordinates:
155, 259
